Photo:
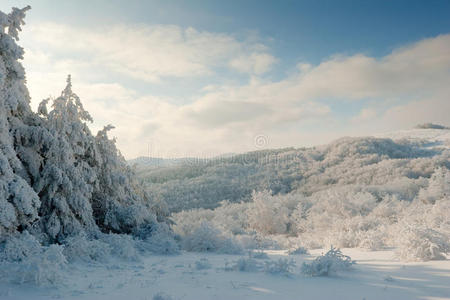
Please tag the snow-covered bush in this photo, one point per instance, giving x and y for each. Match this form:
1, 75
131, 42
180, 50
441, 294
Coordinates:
298, 251
245, 264
372, 239
162, 296
82, 248
438, 186
330, 263
188, 220
282, 266
202, 264
122, 246
258, 254
267, 215
207, 238
157, 239
24, 260
231, 217
416, 243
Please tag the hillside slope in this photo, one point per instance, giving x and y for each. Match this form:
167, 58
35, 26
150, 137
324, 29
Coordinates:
411, 154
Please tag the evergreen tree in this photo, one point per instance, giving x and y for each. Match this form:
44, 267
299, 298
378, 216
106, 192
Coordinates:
57, 179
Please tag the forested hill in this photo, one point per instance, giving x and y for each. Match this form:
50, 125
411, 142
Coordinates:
408, 157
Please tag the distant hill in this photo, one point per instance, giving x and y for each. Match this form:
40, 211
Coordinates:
150, 162
365, 160
431, 126
143, 162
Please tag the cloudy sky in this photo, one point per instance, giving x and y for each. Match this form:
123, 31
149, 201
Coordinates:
202, 78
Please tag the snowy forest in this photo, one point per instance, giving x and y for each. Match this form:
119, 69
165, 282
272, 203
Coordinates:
70, 204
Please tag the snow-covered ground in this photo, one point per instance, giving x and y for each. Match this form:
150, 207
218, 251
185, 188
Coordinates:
377, 275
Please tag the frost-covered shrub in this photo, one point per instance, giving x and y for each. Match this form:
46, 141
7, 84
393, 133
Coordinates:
42, 269
202, 264
330, 263
162, 296
19, 247
258, 255
298, 251
438, 186
187, 221
82, 248
127, 218
157, 238
245, 264
24, 260
268, 214
282, 266
207, 238
372, 239
122, 246
231, 217
255, 240
416, 243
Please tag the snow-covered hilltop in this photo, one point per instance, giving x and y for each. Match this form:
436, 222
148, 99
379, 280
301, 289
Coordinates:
436, 138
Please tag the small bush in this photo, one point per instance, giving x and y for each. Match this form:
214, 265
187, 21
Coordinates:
422, 244
202, 264
162, 296
122, 246
207, 238
325, 265
282, 266
81, 248
245, 264
298, 251
258, 255
157, 239
24, 260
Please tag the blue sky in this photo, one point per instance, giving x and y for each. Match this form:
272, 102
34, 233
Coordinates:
202, 78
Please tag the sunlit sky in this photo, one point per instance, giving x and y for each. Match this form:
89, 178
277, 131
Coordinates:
203, 78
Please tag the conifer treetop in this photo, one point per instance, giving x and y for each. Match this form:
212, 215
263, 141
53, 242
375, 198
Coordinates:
13, 21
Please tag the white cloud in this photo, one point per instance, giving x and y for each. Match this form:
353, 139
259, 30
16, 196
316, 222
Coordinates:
406, 87
366, 114
255, 63
414, 70
145, 52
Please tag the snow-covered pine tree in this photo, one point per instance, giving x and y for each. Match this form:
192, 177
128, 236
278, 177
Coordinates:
57, 179
19, 203
68, 173
120, 204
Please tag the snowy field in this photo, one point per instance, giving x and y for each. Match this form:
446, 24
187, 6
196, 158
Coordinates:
376, 275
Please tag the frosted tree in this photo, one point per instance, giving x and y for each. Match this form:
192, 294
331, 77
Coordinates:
438, 186
19, 204
120, 204
57, 179
68, 173
266, 215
